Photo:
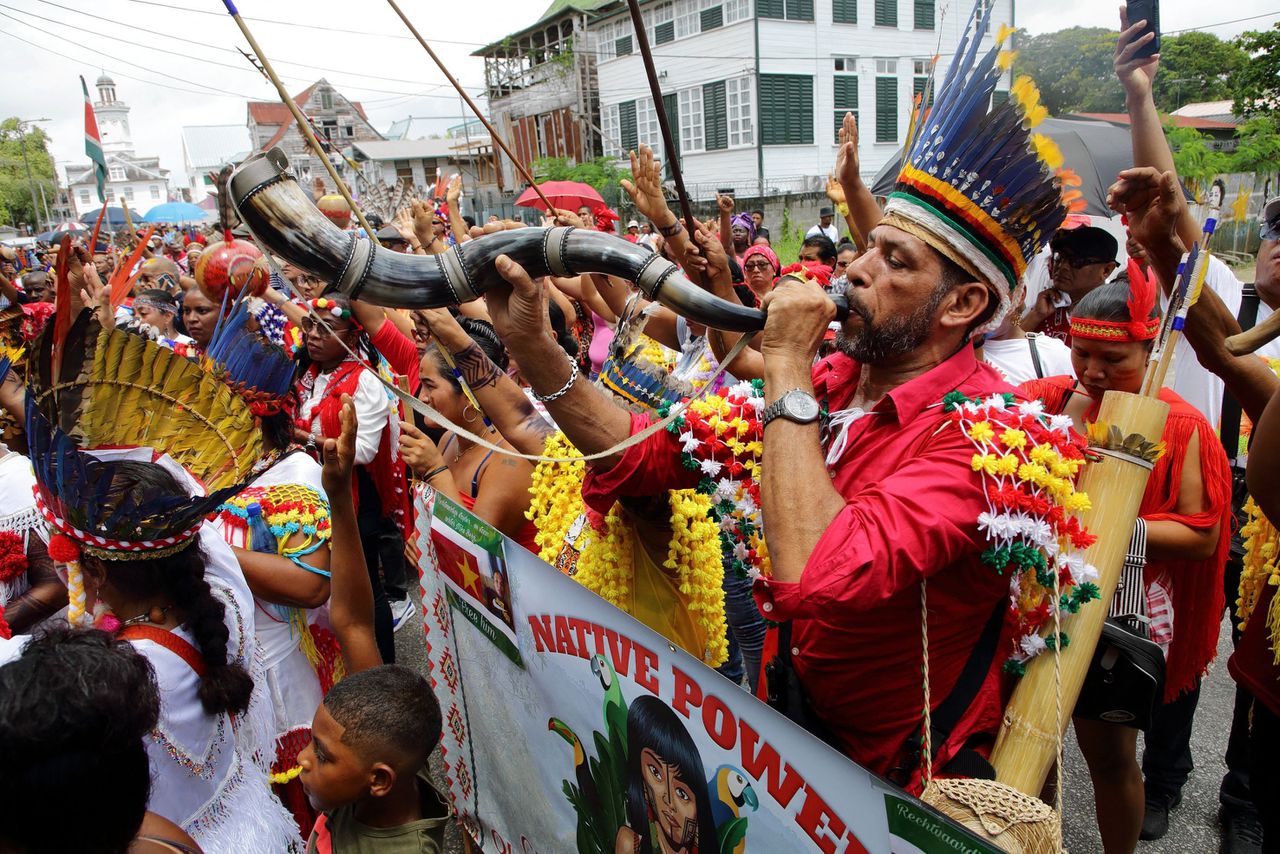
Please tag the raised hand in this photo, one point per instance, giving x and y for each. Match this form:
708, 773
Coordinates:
646, 190
339, 454
454, 191
404, 224
834, 191
846, 171
1153, 203
725, 203
567, 217
1136, 74
417, 450
423, 222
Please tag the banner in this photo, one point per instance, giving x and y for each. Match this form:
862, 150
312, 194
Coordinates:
570, 726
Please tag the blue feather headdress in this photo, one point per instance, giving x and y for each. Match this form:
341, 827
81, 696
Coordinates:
89, 498
253, 367
976, 183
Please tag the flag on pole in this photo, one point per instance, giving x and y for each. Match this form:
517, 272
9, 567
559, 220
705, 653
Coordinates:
93, 143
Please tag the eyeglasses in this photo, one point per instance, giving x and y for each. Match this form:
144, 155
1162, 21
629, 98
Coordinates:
1077, 263
307, 324
763, 265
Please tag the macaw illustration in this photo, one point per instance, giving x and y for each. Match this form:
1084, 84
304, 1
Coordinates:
610, 791
731, 791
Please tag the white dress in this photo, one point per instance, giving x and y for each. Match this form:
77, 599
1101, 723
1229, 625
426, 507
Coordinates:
18, 513
209, 772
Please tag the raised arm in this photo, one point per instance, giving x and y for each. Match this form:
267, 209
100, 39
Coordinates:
725, 204
646, 191
453, 195
501, 399
592, 422
862, 213
351, 603
1136, 75
1264, 459
1153, 203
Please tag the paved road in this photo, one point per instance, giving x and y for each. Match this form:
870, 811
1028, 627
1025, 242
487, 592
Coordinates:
1193, 826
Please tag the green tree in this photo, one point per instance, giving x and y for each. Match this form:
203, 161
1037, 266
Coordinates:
600, 173
1258, 147
1194, 160
1257, 82
1196, 66
15, 190
1072, 67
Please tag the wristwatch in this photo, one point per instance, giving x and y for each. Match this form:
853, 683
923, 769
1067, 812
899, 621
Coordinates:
796, 405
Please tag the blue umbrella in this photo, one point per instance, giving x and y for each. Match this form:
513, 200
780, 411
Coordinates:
113, 219
176, 212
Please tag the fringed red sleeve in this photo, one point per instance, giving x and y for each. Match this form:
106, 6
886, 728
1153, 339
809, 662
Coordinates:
1194, 585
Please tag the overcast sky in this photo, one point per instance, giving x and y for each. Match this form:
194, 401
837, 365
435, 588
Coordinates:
366, 53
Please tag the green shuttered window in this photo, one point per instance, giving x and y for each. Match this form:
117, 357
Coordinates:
786, 109
886, 109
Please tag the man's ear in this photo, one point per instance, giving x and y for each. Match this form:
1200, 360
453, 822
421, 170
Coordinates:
965, 303
382, 779
1111, 268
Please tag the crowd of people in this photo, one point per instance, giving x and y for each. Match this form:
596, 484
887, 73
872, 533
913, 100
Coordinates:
206, 497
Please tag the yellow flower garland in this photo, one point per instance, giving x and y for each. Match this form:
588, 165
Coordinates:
604, 565
1259, 569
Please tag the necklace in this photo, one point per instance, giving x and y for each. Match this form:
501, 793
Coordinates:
155, 615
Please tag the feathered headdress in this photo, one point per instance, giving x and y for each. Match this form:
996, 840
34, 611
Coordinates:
1140, 326
254, 368
118, 389
976, 183
80, 496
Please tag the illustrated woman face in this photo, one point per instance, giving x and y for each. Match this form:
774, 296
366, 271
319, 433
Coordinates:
675, 810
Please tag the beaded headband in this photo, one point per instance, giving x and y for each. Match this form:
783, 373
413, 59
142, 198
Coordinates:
1140, 326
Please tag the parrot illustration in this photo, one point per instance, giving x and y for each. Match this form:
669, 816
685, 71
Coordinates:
615, 710
731, 792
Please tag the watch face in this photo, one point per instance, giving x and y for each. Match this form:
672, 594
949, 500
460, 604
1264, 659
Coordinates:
801, 406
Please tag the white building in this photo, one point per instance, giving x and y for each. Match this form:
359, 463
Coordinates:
756, 101
205, 150
137, 180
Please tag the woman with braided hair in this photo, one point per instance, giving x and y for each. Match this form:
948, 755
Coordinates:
142, 563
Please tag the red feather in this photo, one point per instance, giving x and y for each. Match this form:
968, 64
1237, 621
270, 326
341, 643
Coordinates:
1142, 298
121, 280
62, 301
97, 227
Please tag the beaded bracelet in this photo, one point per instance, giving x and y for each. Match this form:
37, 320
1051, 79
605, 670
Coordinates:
556, 395
435, 471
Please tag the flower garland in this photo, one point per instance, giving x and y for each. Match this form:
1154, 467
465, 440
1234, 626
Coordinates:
1030, 462
1260, 568
604, 548
721, 436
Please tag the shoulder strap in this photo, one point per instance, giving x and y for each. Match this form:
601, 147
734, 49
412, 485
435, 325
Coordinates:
1229, 421
167, 639
1035, 354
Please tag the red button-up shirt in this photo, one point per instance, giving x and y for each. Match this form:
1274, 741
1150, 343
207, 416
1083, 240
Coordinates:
912, 503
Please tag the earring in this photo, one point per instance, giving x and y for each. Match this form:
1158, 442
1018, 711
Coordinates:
469, 418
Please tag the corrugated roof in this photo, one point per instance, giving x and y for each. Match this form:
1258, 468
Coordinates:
1205, 109
411, 149
211, 146
276, 113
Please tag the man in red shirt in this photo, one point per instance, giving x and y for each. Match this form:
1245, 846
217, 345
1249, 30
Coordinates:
863, 506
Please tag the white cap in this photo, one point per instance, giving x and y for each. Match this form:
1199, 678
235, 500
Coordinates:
633, 224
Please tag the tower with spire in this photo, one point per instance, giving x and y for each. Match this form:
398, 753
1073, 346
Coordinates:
113, 118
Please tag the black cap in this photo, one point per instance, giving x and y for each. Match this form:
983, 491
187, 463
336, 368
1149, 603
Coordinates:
826, 212
1086, 242
390, 234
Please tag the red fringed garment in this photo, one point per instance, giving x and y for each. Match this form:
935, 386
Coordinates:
1195, 585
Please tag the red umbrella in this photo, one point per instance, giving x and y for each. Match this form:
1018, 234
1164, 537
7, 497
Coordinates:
566, 195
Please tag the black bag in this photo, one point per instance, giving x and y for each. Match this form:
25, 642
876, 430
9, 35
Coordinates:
1125, 680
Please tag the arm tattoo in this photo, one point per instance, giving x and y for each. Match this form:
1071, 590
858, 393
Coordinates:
476, 369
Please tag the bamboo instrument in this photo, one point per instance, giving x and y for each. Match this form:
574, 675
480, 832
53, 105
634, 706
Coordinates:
1027, 744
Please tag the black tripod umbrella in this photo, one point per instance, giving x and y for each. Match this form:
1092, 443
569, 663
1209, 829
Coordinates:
1096, 151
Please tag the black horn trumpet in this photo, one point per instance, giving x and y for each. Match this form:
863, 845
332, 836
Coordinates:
267, 197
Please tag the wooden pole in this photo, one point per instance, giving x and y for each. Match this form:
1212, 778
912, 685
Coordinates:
303, 125
493, 134
655, 91
1027, 744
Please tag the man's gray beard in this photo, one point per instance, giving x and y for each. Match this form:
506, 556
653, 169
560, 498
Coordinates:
878, 342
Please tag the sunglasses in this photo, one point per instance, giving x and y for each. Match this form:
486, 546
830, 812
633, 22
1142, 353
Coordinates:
764, 265
1077, 263
1270, 229
308, 324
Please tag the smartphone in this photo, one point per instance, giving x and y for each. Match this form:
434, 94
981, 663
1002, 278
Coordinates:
1149, 11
